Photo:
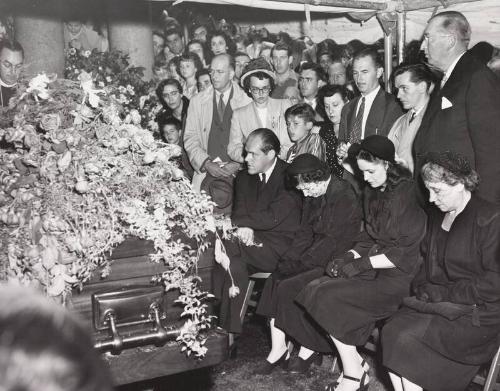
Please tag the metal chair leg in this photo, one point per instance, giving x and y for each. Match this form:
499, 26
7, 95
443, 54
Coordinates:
491, 380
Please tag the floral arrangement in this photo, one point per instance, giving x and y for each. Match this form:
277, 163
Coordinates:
77, 177
135, 97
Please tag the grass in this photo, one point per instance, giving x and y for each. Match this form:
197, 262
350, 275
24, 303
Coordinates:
236, 373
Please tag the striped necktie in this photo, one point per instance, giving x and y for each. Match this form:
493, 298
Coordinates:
357, 127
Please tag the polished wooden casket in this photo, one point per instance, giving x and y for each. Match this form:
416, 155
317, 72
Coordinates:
135, 323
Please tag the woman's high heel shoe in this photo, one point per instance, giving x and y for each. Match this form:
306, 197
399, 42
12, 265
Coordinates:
265, 368
362, 385
365, 367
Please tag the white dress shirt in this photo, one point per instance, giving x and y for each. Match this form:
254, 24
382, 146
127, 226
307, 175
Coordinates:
269, 171
369, 98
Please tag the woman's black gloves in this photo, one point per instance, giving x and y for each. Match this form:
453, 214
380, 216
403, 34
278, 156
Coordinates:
347, 266
432, 293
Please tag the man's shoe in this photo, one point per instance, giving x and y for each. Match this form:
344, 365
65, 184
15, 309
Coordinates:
299, 365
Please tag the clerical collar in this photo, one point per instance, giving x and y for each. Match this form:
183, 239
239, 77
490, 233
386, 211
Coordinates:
269, 171
4, 84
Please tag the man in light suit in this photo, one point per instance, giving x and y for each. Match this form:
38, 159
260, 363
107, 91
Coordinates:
414, 84
464, 115
258, 80
266, 213
206, 134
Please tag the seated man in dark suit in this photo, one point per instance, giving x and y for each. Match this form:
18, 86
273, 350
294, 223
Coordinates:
266, 213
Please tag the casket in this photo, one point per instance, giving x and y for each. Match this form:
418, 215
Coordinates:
134, 322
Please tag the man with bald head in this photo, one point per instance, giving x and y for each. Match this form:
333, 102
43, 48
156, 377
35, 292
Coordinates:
266, 213
463, 115
208, 122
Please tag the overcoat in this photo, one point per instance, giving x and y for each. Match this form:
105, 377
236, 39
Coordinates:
464, 117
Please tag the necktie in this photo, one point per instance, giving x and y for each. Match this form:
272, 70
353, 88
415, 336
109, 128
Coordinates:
221, 107
355, 136
263, 178
413, 114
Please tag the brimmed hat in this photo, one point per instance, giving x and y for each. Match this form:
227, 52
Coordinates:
306, 163
221, 192
453, 162
257, 65
378, 146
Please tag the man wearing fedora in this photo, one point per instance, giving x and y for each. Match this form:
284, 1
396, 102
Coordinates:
206, 134
258, 81
267, 215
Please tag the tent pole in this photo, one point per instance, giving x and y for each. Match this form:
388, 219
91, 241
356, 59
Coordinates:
359, 4
388, 60
401, 36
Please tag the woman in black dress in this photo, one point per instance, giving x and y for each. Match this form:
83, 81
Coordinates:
331, 99
368, 283
438, 340
331, 218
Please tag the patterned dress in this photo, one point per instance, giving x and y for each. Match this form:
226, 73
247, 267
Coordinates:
331, 142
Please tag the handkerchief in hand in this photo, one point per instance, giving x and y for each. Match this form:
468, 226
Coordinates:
445, 103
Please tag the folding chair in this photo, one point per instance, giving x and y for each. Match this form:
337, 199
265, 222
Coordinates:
491, 381
249, 301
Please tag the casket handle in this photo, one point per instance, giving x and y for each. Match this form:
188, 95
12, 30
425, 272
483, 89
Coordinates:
158, 336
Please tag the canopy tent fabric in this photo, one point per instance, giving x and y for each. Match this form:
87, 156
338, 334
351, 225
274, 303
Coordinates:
484, 17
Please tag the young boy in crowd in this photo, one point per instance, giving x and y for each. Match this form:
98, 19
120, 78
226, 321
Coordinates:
171, 132
299, 122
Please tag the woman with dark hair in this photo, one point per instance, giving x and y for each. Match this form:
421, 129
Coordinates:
198, 47
332, 99
221, 43
442, 335
368, 283
189, 64
331, 217
169, 93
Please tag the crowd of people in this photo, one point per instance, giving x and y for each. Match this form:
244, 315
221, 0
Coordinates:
365, 206
370, 209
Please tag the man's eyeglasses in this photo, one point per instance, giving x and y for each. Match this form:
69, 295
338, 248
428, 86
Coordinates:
8, 65
262, 91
